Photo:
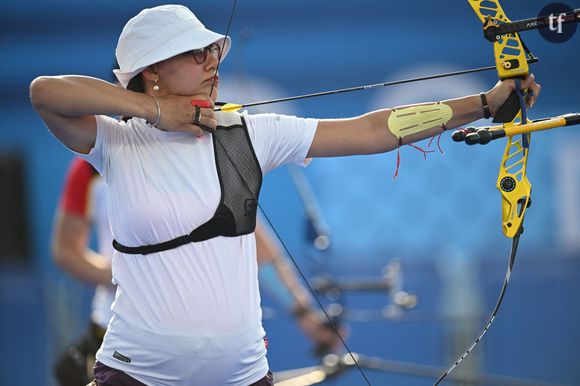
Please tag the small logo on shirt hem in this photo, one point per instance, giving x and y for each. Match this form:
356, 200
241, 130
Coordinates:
121, 357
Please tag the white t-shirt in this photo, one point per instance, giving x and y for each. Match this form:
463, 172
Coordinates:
190, 315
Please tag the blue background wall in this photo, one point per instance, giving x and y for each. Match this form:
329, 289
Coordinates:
441, 217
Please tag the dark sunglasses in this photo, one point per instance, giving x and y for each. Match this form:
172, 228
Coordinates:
200, 55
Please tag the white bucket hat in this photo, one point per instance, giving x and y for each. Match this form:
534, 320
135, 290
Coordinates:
160, 33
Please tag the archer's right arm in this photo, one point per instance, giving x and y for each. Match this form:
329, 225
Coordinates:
68, 104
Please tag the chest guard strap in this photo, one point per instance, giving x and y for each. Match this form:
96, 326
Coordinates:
240, 179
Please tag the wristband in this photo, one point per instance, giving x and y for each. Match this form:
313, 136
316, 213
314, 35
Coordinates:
486, 112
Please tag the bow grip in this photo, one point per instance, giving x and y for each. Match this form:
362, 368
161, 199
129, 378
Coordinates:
508, 111
512, 106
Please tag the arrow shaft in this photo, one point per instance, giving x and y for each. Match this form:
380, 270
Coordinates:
370, 86
367, 87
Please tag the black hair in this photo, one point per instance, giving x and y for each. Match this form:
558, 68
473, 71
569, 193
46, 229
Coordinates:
136, 84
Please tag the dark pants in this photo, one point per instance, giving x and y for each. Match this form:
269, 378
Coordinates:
106, 376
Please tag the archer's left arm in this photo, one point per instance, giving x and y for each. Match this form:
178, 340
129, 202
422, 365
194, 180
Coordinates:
381, 131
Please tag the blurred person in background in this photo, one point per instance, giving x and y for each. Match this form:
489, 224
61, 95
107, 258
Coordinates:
82, 208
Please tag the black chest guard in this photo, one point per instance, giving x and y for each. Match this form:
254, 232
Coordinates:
240, 179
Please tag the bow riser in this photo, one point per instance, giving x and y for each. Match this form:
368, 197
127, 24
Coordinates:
510, 59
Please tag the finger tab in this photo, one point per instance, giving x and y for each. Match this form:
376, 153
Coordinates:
200, 103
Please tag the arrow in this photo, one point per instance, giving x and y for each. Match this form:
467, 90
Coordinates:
231, 107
